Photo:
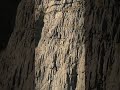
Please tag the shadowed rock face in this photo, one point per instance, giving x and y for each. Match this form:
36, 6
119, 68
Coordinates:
102, 22
77, 46
17, 60
8, 10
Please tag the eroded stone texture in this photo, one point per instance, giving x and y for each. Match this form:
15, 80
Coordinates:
77, 46
60, 54
102, 22
70, 41
17, 61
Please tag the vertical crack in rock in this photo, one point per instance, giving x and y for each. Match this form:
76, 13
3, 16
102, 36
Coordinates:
74, 78
39, 23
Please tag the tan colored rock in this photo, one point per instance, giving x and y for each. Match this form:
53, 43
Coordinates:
60, 54
79, 45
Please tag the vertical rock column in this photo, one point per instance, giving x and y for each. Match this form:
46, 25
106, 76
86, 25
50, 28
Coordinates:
60, 54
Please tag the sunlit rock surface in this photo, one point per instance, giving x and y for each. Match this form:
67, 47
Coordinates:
60, 54
76, 46
79, 45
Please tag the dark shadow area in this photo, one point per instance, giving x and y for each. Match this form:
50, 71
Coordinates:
17, 61
102, 44
38, 28
8, 9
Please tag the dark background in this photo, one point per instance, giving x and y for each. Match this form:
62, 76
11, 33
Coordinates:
8, 10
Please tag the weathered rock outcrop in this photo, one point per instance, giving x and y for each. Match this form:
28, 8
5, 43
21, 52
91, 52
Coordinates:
60, 54
79, 46
102, 25
17, 60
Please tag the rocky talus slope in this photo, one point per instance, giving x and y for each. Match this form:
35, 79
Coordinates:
17, 60
79, 45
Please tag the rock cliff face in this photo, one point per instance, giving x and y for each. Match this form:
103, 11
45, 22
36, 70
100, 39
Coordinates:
7, 20
102, 47
60, 54
17, 60
79, 46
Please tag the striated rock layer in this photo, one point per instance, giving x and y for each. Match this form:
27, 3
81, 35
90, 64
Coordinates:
17, 60
78, 45
102, 23
60, 54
